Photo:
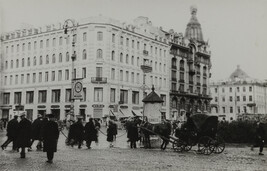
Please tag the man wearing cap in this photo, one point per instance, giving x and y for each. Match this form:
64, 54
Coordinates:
76, 132
24, 134
12, 133
50, 136
36, 131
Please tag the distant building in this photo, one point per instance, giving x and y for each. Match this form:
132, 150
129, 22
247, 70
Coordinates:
190, 70
240, 94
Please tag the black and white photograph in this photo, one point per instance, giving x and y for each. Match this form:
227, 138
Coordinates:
133, 85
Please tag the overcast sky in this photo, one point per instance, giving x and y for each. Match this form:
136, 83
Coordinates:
236, 29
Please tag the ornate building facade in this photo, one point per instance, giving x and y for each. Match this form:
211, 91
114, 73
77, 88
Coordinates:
238, 95
190, 70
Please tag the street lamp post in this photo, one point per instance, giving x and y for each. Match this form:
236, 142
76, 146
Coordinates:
73, 29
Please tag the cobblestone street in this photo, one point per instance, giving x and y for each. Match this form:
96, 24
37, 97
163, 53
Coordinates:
121, 157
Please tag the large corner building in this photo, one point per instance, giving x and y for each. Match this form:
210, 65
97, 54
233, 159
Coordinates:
117, 63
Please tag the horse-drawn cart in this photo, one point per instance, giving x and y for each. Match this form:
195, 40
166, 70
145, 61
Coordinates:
204, 134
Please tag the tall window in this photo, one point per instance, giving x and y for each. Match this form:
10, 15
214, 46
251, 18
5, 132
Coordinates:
34, 61
84, 54
113, 73
47, 42
231, 109
41, 44
121, 75
67, 57
17, 98
230, 98
100, 36
244, 98
60, 57
84, 36
250, 89
16, 79
17, 63
11, 80
127, 42
99, 53
163, 97
29, 46
46, 76
132, 43
98, 71
55, 96
42, 96
28, 78
244, 89
29, 97
11, 64
121, 57
84, 95
112, 95
127, 59
113, 38
135, 97
47, 59
6, 65
53, 76
98, 94
137, 62
35, 45
121, 40
22, 79
40, 77
54, 42
59, 75
124, 96
60, 41
67, 74
34, 77
113, 56
29, 61
132, 61
84, 72
138, 45
132, 77
127, 76
41, 60
68, 95
23, 47
53, 58
6, 99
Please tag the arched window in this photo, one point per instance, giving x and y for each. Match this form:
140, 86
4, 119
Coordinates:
17, 63
127, 58
34, 61
54, 58
29, 61
47, 59
99, 35
67, 57
173, 63
84, 54
41, 60
22, 62
60, 57
182, 65
6, 65
113, 56
137, 62
11, 64
99, 53
121, 57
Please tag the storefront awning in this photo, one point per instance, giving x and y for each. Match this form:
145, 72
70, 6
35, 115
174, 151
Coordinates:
125, 112
137, 113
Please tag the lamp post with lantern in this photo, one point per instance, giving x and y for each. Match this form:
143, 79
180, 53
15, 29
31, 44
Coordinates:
71, 25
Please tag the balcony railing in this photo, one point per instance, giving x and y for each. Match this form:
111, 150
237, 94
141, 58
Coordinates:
181, 81
145, 52
174, 79
174, 67
146, 68
100, 80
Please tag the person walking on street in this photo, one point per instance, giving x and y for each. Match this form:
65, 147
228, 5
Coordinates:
12, 133
76, 133
24, 134
90, 133
259, 140
111, 132
50, 136
132, 133
36, 132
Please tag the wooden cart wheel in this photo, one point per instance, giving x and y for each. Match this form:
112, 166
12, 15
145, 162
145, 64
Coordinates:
206, 145
219, 145
178, 146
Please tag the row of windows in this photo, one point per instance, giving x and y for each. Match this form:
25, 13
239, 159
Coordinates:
231, 99
153, 50
231, 89
56, 96
99, 54
54, 42
232, 111
190, 88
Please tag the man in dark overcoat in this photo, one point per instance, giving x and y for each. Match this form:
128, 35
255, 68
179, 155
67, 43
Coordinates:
24, 134
12, 133
76, 134
90, 133
111, 132
50, 135
36, 131
132, 133
260, 136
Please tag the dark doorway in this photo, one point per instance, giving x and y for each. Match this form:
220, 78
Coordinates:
42, 112
82, 113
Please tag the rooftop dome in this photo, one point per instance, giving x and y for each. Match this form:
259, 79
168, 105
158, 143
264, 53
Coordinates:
238, 74
193, 29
